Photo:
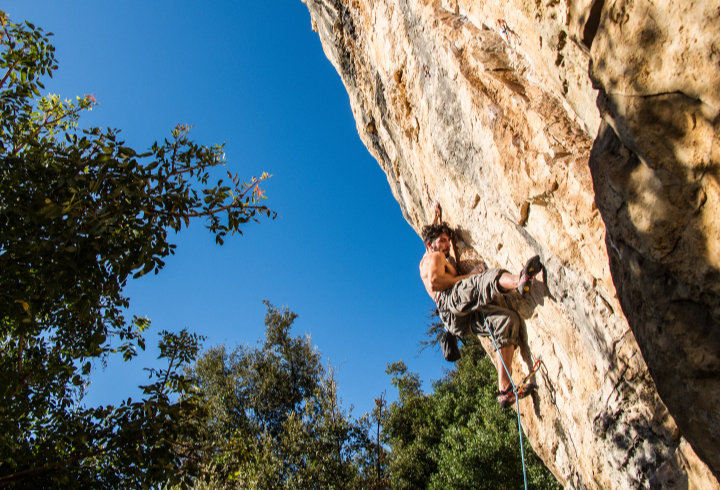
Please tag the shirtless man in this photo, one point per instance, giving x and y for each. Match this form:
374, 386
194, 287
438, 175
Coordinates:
463, 301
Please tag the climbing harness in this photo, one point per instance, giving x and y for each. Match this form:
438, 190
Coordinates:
515, 390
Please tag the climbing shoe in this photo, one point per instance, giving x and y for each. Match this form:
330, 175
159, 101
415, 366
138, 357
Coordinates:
531, 269
506, 398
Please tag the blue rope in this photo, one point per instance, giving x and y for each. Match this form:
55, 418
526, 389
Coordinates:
517, 400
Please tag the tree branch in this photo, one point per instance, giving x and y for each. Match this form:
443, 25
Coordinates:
4, 480
21, 379
210, 213
7, 73
12, 68
45, 123
21, 346
167, 373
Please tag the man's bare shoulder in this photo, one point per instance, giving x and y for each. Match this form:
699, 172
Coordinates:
432, 258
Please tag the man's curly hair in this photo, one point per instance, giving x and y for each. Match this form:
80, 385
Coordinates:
431, 232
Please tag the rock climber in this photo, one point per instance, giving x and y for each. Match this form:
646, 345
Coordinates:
464, 301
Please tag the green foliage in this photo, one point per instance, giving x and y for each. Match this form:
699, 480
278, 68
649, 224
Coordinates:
81, 213
273, 417
457, 437
434, 331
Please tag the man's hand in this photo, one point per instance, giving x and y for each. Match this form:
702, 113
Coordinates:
481, 267
437, 213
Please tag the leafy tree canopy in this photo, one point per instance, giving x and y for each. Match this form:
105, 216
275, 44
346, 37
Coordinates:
274, 419
457, 437
80, 214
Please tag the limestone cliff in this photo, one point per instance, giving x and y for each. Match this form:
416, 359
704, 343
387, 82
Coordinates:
587, 132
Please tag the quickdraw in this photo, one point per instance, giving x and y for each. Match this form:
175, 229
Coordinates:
506, 32
528, 379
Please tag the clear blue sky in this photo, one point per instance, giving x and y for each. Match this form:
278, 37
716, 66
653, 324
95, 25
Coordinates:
252, 74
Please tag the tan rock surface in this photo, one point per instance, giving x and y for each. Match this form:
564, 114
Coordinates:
656, 167
488, 108
684, 471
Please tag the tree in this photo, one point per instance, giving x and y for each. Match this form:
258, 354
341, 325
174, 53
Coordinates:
274, 419
457, 437
80, 214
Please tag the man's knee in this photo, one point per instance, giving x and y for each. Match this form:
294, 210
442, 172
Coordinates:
508, 329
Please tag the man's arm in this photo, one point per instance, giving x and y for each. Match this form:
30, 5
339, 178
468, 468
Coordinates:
437, 212
438, 276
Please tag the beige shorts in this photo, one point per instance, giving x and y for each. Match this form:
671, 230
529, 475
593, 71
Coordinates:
465, 309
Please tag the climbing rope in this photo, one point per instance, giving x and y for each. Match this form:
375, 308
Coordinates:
517, 399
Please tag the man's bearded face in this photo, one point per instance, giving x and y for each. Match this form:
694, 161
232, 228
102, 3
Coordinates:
441, 244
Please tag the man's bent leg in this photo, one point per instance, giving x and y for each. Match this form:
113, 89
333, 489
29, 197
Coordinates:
505, 326
471, 294
508, 282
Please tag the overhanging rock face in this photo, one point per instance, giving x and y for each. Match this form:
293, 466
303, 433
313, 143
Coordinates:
489, 108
